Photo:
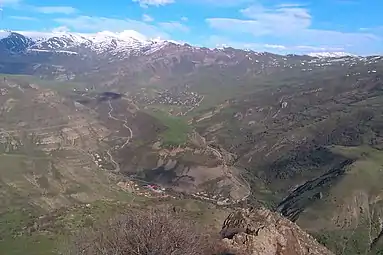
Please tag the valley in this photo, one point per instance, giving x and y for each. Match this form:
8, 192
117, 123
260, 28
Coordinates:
214, 129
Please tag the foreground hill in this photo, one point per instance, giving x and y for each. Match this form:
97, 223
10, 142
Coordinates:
264, 232
299, 134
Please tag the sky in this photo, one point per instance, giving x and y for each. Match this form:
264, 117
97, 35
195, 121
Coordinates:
280, 26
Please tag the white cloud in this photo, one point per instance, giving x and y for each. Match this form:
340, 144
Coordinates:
348, 2
265, 21
61, 29
55, 9
89, 24
375, 30
220, 41
174, 26
241, 26
307, 49
292, 24
334, 38
275, 46
146, 3
26, 18
224, 3
147, 18
9, 2
290, 5
184, 19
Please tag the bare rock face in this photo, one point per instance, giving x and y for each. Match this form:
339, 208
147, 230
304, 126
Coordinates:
262, 232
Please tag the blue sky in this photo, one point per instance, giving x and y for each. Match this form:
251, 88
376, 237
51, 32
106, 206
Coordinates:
281, 26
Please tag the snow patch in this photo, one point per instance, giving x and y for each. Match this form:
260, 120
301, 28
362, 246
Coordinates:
55, 51
4, 34
62, 41
330, 54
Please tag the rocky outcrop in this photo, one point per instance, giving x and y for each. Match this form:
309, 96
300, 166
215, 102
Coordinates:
262, 232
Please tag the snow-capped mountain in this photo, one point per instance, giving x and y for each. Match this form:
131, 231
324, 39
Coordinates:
72, 43
14, 42
330, 54
117, 59
122, 44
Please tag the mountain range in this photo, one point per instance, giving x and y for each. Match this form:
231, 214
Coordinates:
114, 43
71, 42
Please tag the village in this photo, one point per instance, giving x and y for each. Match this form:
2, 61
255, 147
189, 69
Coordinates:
150, 190
176, 96
142, 188
183, 98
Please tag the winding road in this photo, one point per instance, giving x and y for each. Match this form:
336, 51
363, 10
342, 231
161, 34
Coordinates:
128, 139
238, 183
244, 183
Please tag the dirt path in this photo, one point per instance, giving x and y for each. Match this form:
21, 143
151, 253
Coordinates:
116, 165
23, 156
237, 183
131, 133
128, 139
125, 124
43, 128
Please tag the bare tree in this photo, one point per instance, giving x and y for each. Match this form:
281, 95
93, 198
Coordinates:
152, 232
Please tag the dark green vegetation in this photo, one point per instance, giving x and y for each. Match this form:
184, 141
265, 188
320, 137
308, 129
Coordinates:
177, 130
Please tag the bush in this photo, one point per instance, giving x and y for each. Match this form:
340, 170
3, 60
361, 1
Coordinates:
153, 232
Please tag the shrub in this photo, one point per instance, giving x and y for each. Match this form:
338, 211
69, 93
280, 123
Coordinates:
153, 232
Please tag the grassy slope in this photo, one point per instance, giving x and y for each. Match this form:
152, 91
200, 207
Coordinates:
33, 182
50, 84
29, 187
177, 129
348, 218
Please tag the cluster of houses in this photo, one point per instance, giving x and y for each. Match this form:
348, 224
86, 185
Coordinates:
184, 98
150, 190
3, 91
97, 160
218, 199
168, 97
147, 190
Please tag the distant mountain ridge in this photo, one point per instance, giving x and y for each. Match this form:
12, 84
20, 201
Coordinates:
73, 42
100, 43
127, 59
